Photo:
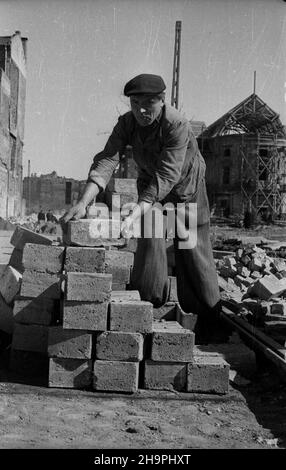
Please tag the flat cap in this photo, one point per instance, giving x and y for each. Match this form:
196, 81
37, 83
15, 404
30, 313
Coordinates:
145, 83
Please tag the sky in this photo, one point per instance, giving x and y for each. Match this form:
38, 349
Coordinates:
82, 52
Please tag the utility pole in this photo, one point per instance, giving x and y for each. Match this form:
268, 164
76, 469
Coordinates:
29, 185
176, 66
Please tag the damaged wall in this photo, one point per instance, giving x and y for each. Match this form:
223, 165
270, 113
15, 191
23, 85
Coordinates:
12, 117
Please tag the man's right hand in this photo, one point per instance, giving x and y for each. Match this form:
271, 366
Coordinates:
75, 213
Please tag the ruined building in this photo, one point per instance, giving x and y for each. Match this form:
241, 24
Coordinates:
245, 154
13, 59
50, 192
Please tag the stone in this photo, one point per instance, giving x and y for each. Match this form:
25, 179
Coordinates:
69, 373
165, 375
72, 344
171, 342
42, 258
267, 287
85, 259
30, 338
10, 284
36, 284
90, 316
93, 232
37, 311
119, 346
115, 376
208, 374
88, 287
131, 316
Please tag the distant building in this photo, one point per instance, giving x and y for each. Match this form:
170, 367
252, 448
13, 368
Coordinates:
245, 154
50, 192
13, 57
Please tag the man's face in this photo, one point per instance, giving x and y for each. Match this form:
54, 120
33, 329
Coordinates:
146, 108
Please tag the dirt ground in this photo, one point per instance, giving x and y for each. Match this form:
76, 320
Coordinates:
251, 416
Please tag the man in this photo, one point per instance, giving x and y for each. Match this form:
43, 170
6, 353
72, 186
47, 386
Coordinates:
171, 169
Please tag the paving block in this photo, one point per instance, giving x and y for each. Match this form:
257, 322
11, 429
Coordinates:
6, 317
88, 287
165, 375
42, 258
10, 284
16, 260
72, 344
208, 374
90, 316
132, 316
267, 287
93, 232
115, 376
124, 295
85, 259
36, 284
29, 363
171, 342
69, 373
38, 311
173, 296
166, 312
22, 235
186, 320
30, 338
119, 346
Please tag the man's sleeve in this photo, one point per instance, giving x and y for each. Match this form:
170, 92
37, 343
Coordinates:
170, 164
105, 162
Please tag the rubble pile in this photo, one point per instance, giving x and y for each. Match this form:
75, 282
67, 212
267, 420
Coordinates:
75, 322
253, 284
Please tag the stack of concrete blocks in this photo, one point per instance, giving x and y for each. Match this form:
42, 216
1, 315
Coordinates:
36, 308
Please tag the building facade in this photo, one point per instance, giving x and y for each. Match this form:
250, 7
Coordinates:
13, 58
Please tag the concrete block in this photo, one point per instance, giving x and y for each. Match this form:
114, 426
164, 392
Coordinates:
186, 320
6, 317
118, 286
173, 296
42, 258
267, 287
30, 338
22, 235
88, 287
90, 316
70, 373
243, 271
171, 342
72, 344
85, 259
94, 232
279, 264
115, 258
36, 284
124, 295
255, 264
166, 312
36, 311
165, 375
29, 363
208, 374
278, 308
131, 316
10, 284
116, 376
16, 260
255, 275
119, 346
